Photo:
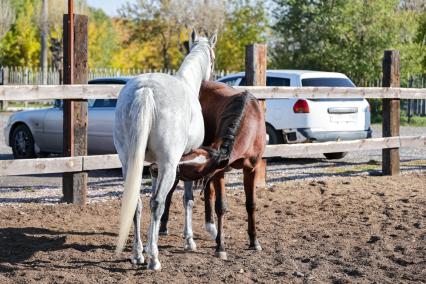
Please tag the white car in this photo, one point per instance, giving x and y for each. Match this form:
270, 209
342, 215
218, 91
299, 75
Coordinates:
311, 120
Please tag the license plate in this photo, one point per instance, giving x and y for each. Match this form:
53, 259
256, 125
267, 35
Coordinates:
346, 117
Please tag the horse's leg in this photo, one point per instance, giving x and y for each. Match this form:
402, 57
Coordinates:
165, 181
137, 249
137, 257
220, 208
209, 199
250, 191
188, 204
165, 217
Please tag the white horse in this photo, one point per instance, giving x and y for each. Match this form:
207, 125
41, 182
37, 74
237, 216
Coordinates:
158, 119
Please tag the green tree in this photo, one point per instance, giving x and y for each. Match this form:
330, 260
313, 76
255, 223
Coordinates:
103, 39
21, 45
421, 40
245, 23
345, 36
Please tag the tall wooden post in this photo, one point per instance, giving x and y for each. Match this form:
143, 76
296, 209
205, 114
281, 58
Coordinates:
391, 111
256, 76
75, 111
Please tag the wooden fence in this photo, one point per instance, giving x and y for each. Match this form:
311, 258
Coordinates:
18, 75
87, 163
78, 163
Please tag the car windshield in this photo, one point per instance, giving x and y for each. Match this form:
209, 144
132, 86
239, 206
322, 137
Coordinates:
327, 82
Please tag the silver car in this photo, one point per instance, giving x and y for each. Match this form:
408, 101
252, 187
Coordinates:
39, 132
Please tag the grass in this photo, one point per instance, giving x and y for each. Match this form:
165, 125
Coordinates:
419, 121
414, 121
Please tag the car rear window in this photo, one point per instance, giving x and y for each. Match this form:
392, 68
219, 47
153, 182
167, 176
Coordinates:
271, 81
105, 103
327, 82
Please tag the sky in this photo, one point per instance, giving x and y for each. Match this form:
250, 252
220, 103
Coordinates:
109, 6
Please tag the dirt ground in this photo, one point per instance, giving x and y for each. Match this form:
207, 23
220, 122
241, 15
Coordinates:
338, 230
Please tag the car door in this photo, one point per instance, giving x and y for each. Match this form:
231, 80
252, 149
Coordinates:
100, 128
52, 129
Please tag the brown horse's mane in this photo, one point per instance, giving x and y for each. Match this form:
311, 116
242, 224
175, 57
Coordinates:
230, 123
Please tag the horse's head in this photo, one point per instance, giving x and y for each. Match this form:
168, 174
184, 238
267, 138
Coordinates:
209, 43
199, 164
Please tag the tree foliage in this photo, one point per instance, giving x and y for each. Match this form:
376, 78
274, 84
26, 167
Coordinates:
102, 45
421, 40
245, 23
21, 45
345, 36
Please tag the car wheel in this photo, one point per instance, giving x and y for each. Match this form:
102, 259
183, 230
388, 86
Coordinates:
22, 142
335, 156
273, 136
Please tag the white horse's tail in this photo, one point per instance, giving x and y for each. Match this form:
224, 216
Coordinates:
142, 113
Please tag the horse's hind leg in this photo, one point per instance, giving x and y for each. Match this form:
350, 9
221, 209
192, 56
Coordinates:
220, 208
165, 216
209, 200
137, 257
250, 191
165, 180
137, 249
188, 204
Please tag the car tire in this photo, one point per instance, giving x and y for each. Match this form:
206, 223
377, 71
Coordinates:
335, 156
274, 136
22, 143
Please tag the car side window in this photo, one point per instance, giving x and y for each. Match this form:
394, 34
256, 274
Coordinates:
60, 104
277, 82
271, 81
231, 81
105, 103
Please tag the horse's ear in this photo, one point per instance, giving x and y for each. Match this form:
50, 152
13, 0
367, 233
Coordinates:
213, 40
194, 37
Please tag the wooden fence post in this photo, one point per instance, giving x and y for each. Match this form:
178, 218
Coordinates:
4, 81
75, 111
256, 76
391, 111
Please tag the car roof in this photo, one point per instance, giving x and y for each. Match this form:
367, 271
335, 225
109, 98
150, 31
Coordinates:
110, 80
299, 73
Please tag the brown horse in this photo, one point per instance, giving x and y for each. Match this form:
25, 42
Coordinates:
234, 138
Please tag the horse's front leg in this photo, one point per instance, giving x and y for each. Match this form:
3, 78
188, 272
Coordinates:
209, 201
137, 257
250, 192
188, 204
221, 207
165, 180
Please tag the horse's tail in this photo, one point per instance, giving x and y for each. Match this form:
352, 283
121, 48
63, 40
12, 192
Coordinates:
142, 112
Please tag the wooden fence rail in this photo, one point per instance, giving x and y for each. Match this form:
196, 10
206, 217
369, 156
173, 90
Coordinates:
98, 162
44, 92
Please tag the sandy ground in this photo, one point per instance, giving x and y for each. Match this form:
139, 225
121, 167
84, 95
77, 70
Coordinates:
364, 229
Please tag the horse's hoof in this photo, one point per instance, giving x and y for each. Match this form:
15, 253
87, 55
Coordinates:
221, 254
138, 259
154, 265
256, 246
211, 229
190, 245
163, 232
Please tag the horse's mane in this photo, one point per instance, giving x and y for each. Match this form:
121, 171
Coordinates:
230, 123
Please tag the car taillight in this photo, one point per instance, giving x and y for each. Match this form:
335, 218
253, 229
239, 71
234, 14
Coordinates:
301, 106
